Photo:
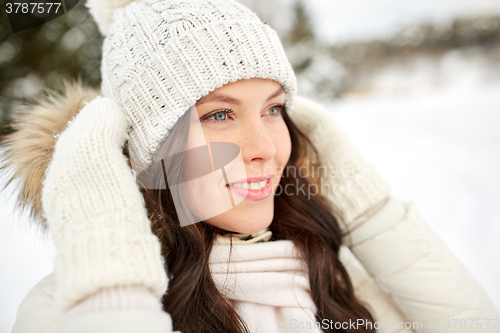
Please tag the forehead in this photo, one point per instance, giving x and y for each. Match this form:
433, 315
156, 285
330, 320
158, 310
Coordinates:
235, 92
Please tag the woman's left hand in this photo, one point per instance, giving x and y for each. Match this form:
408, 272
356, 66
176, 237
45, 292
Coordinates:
353, 188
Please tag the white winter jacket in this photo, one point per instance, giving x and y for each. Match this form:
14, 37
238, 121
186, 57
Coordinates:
405, 273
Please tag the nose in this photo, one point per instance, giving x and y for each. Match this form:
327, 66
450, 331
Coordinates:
256, 144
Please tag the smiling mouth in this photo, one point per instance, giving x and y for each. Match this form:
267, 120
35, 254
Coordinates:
251, 186
255, 190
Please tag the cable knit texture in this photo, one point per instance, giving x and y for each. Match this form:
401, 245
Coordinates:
160, 57
96, 212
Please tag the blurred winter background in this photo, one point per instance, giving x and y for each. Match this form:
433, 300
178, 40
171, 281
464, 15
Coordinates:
415, 84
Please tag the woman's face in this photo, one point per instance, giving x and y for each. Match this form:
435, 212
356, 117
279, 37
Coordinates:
248, 114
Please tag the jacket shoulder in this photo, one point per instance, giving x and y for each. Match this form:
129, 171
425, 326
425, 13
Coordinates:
37, 312
380, 303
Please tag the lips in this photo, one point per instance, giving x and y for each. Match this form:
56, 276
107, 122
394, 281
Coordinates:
253, 179
253, 188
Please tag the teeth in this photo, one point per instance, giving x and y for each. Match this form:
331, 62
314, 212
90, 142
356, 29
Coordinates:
251, 186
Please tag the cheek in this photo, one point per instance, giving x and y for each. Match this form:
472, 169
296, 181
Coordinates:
283, 144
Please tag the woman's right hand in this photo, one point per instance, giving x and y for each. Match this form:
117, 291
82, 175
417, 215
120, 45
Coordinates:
96, 212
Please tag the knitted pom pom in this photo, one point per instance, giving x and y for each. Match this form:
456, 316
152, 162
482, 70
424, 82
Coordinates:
102, 11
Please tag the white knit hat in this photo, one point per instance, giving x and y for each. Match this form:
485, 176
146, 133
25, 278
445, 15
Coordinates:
160, 57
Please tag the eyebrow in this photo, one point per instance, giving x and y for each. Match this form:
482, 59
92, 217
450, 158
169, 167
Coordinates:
232, 100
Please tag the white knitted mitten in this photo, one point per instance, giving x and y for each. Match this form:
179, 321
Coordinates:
351, 185
96, 212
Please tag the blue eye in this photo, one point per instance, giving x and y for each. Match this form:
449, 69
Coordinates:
217, 116
274, 110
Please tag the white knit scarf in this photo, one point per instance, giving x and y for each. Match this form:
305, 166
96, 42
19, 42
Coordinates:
267, 283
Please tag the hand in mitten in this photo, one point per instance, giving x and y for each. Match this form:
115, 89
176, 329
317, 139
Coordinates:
351, 186
95, 210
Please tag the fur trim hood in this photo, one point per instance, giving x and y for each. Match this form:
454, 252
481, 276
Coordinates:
28, 150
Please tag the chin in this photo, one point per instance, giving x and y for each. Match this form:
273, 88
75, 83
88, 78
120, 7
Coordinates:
251, 222
255, 219
248, 221
253, 228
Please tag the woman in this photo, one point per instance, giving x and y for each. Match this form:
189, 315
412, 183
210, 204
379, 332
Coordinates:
247, 239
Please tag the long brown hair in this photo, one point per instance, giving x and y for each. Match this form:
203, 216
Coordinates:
192, 298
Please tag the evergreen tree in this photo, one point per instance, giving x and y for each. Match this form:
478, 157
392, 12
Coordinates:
41, 57
301, 30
